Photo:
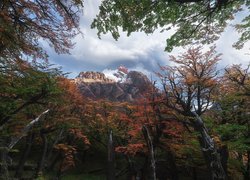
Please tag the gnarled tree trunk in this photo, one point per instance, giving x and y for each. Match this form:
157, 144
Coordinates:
210, 151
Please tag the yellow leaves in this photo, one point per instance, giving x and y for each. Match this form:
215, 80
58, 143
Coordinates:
238, 78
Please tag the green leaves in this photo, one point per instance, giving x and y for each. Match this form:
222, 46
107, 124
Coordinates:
24, 84
194, 22
244, 30
231, 132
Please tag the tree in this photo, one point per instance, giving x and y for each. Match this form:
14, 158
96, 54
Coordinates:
25, 23
64, 127
27, 90
194, 20
59, 134
188, 89
25, 84
238, 78
232, 115
191, 83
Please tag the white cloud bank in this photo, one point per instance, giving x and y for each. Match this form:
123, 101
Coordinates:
139, 51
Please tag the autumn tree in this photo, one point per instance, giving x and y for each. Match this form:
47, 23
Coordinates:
190, 84
137, 133
194, 20
238, 77
232, 115
24, 24
127, 122
62, 134
27, 90
189, 87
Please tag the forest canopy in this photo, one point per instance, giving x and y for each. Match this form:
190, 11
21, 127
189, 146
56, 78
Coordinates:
25, 23
196, 126
199, 21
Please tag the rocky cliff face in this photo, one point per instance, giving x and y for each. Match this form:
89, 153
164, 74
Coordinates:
96, 86
91, 77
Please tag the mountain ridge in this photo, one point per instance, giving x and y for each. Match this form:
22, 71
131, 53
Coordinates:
95, 85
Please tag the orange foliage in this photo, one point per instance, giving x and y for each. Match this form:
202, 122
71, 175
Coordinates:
192, 81
67, 152
126, 121
78, 134
130, 149
23, 23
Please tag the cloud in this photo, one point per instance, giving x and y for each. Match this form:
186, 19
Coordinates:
109, 73
139, 51
139, 67
231, 55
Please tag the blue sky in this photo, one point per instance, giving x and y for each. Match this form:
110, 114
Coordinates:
138, 52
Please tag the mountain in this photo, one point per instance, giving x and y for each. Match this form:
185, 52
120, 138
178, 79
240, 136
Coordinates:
96, 85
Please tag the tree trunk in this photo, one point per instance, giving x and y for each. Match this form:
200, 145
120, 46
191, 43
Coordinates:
26, 129
224, 158
41, 161
210, 151
111, 158
151, 150
19, 170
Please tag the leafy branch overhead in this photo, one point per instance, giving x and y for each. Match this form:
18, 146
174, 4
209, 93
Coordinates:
200, 21
23, 24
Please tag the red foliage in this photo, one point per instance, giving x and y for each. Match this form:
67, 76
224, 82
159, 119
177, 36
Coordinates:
78, 135
24, 22
130, 149
173, 129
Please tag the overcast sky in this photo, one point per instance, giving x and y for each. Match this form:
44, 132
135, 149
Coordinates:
137, 52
